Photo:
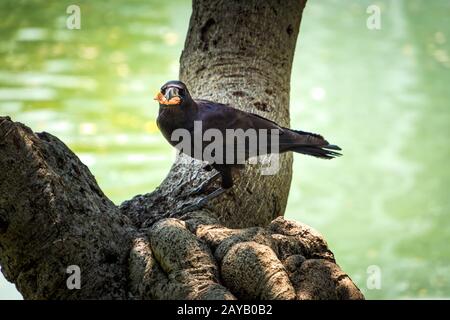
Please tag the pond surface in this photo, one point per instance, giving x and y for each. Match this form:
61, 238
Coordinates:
382, 95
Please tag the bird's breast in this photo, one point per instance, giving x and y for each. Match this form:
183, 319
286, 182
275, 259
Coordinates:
169, 119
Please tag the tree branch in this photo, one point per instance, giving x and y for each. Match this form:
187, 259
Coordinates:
53, 214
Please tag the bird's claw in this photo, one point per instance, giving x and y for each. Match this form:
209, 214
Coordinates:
199, 190
203, 202
203, 187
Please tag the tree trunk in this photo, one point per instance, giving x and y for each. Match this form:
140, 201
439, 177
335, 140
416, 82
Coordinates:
237, 52
53, 214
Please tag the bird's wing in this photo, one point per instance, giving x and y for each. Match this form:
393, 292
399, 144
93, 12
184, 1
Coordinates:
218, 115
222, 117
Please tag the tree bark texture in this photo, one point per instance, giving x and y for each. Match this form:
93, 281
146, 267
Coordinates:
54, 215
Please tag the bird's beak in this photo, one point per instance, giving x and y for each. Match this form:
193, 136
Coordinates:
171, 93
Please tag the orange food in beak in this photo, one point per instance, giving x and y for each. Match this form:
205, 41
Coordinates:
162, 100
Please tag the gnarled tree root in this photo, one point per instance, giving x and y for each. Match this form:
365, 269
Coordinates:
286, 260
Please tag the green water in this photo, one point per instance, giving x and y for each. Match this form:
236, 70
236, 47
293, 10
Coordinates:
383, 95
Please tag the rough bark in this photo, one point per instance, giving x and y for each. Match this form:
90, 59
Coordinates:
53, 214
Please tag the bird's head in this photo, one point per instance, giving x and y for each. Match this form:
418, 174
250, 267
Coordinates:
173, 93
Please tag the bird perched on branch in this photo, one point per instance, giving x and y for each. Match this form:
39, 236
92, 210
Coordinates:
201, 120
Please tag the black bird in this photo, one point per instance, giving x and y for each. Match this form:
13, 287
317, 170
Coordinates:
178, 110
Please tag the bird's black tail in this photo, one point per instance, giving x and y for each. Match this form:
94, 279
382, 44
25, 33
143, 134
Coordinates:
313, 145
319, 152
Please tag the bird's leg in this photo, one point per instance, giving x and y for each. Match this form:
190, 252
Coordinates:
201, 203
204, 185
208, 167
227, 183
